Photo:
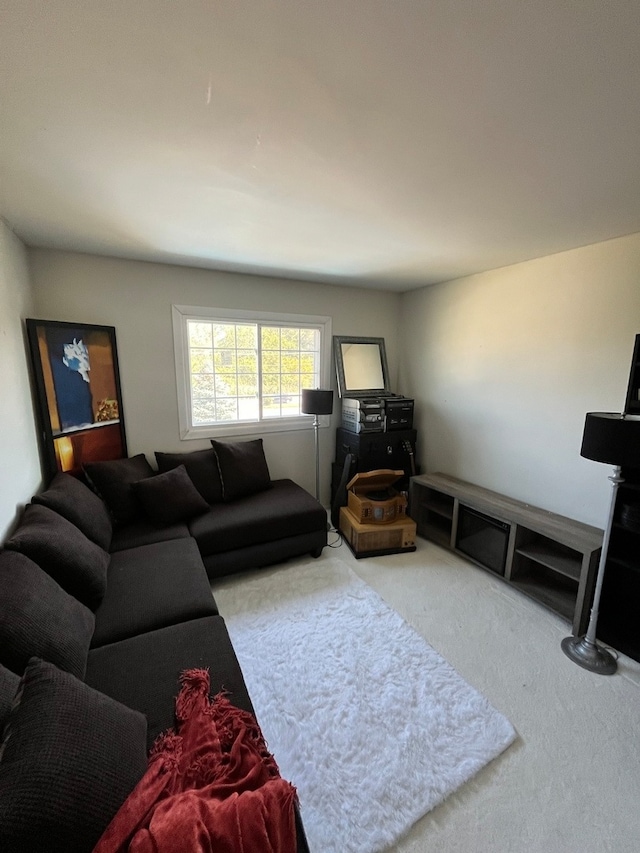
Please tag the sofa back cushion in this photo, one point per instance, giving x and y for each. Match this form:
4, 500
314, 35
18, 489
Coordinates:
76, 502
37, 617
202, 467
8, 688
243, 468
112, 481
70, 758
64, 552
170, 497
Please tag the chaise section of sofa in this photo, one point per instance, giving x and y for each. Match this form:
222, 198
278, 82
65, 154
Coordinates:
261, 528
222, 497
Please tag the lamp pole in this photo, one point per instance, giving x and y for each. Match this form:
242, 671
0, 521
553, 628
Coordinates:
316, 425
584, 650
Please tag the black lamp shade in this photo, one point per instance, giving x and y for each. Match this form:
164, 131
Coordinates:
316, 402
608, 437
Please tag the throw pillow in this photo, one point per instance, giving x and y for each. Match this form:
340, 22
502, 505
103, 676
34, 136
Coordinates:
112, 480
202, 467
243, 468
64, 552
71, 757
9, 682
37, 617
76, 502
170, 497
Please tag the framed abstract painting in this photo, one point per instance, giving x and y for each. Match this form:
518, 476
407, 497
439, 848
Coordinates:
77, 383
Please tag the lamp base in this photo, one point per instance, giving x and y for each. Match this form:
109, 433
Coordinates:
589, 656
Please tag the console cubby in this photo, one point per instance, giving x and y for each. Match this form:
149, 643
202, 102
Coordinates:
550, 558
435, 511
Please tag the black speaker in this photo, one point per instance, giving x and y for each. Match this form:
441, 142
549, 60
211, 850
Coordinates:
340, 494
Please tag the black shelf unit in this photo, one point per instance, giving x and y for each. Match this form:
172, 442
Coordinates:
373, 450
619, 617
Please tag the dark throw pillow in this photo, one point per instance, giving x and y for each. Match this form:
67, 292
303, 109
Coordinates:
38, 618
243, 468
71, 756
76, 502
170, 497
64, 552
112, 480
202, 467
8, 688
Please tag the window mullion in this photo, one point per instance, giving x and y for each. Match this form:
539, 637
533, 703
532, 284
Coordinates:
259, 336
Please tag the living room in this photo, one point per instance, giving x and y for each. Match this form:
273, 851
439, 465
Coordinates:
503, 360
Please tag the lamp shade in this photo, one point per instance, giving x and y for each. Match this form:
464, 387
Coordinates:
610, 437
316, 402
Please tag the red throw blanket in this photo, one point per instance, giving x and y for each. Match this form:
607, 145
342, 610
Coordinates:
211, 785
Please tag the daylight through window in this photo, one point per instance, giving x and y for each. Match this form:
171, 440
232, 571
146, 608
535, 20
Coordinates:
248, 371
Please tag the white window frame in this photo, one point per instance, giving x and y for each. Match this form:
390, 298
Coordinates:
181, 314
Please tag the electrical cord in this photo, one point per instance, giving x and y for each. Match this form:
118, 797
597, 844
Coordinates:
337, 543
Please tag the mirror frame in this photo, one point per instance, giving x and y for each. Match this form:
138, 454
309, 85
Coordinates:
338, 340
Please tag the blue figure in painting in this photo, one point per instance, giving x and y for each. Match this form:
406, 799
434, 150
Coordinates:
70, 365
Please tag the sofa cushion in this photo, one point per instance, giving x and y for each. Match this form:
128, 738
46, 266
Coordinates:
285, 510
202, 467
243, 467
9, 682
142, 672
150, 587
142, 532
64, 552
76, 502
170, 497
112, 480
38, 618
71, 757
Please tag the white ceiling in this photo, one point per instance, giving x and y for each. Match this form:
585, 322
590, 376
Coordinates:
381, 143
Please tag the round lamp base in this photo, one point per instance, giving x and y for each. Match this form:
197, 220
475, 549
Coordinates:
589, 656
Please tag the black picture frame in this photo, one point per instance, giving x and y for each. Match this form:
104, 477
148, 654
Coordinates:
368, 362
78, 395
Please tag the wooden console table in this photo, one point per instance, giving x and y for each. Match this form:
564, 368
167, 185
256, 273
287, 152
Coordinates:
550, 558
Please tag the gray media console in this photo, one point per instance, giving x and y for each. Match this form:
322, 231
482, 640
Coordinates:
548, 557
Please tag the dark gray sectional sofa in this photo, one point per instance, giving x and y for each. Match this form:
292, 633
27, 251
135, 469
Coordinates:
104, 601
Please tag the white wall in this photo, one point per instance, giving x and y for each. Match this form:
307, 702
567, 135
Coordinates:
19, 457
505, 364
136, 298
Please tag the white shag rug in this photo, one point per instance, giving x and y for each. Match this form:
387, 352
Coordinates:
372, 725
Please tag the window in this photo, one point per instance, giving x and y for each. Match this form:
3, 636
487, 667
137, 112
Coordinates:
243, 371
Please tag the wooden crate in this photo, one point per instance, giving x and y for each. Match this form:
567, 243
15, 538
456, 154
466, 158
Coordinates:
368, 539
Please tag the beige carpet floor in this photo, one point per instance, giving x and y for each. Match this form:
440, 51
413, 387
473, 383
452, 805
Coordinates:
571, 781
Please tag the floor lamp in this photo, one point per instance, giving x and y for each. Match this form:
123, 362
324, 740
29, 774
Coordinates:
614, 439
316, 402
